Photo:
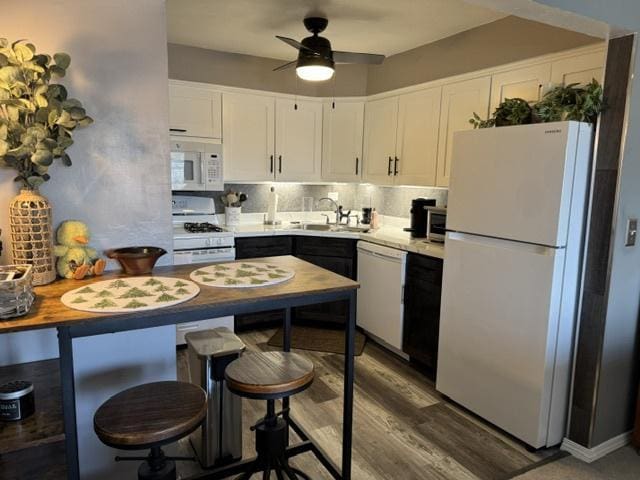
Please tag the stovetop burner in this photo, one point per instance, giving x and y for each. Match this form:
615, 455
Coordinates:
202, 227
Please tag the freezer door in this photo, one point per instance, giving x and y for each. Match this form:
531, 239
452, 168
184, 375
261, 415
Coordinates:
517, 182
498, 331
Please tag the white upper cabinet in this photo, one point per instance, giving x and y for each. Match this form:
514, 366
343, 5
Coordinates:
526, 83
579, 69
195, 112
298, 140
459, 101
342, 132
417, 138
248, 147
380, 124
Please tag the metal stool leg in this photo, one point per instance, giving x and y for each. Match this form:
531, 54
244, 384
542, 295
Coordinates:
266, 474
300, 473
279, 470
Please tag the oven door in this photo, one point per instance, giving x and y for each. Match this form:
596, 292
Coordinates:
187, 167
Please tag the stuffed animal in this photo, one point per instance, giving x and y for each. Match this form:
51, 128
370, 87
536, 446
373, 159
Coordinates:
75, 258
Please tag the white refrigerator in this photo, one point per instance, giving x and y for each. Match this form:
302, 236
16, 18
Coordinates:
512, 274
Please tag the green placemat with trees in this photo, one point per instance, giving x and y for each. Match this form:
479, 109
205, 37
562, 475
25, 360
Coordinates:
241, 275
130, 294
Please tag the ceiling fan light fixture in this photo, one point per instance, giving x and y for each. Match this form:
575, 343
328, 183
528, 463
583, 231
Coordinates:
314, 73
314, 68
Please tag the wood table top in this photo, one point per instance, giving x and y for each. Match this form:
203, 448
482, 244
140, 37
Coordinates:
48, 311
150, 414
269, 373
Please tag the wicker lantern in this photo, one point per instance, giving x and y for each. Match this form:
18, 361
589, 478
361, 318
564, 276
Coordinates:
31, 235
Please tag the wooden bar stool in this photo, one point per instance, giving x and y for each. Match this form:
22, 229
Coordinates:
148, 417
270, 376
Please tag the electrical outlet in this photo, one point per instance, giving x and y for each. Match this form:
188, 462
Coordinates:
632, 232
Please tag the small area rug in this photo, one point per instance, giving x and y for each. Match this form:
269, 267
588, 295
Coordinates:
318, 340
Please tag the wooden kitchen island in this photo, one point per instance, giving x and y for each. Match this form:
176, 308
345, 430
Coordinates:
310, 285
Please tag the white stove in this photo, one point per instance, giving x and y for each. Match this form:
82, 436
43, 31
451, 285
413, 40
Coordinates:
198, 238
197, 235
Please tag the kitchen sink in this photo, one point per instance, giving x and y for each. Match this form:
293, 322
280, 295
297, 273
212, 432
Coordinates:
347, 228
327, 227
320, 227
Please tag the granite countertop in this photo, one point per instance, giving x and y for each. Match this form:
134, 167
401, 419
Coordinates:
387, 235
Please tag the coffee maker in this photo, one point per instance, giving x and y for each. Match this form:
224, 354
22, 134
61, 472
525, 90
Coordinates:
419, 216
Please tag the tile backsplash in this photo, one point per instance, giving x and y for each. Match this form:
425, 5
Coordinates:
390, 201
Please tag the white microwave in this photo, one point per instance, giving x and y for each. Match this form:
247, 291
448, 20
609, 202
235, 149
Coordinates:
196, 166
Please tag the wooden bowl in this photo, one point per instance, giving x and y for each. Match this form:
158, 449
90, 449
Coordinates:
136, 260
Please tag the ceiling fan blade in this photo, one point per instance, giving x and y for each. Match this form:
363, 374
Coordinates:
294, 43
353, 57
285, 66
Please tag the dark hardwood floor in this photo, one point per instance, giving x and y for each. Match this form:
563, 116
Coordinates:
403, 428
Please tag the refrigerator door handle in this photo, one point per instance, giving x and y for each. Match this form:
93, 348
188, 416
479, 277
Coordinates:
500, 243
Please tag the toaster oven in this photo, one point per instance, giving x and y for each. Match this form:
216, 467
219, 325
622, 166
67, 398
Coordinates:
436, 224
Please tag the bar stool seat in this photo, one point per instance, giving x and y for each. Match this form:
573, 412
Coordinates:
149, 416
270, 376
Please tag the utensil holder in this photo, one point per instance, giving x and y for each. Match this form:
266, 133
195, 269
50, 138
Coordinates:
232, 216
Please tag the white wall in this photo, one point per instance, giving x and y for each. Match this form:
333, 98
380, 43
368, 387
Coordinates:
120, 182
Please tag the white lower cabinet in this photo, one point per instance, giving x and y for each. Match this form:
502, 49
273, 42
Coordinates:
459, 101
342, 133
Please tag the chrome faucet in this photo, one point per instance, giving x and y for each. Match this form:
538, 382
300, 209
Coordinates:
338, 210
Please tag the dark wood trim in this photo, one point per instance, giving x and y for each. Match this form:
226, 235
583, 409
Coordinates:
45, 425
598, 241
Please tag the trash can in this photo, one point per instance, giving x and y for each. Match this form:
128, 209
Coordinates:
219, 440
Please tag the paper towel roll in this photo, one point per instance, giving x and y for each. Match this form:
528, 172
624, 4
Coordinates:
272, 207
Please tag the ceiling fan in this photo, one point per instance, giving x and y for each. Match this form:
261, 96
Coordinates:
316, 59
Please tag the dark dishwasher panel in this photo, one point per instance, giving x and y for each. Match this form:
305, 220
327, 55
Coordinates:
422, 291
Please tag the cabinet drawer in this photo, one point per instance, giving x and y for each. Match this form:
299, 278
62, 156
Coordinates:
341, 266
254, 247
331, 313
324, 246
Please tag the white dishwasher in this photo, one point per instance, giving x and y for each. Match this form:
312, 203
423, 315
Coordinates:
381, 273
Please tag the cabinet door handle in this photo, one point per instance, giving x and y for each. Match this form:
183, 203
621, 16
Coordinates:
357, 165
395, 166
389, 166
181, 130
271, 167
279, 163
